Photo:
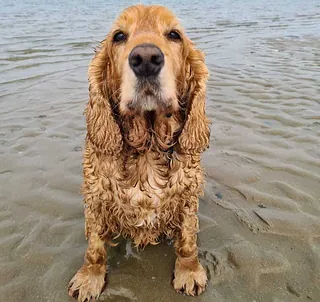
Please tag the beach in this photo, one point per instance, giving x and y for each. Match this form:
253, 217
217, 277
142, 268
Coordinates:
259, 234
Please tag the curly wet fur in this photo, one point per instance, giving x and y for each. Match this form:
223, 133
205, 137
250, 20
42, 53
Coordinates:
142, 173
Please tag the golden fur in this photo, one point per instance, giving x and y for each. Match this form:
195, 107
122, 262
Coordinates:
142, 172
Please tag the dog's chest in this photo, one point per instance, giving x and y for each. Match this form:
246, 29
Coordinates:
145, 189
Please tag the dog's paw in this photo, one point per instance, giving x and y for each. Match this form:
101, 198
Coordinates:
191, 281
88, 283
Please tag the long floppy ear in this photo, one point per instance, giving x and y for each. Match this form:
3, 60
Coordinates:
102, 129
195, 136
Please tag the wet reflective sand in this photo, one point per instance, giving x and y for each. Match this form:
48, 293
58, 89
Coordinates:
260, 217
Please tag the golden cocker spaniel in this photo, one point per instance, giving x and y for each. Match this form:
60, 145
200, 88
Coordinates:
146, 130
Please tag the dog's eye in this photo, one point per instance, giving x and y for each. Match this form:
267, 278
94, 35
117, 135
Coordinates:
119, 37
173, 35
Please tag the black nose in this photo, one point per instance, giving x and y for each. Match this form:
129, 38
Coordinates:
146, 60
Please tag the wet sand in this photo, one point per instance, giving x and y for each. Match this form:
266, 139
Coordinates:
260, 216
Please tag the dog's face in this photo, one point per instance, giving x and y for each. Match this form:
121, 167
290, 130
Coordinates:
147, 63
148, 51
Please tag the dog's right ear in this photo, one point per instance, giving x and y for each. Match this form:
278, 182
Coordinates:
195, 136
102, 129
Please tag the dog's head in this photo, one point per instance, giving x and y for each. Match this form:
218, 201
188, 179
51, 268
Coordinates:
147, 63
147, 43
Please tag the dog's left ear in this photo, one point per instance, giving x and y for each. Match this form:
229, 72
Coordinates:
195, 136
102, 129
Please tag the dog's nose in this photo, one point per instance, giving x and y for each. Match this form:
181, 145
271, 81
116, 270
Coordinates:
146, 60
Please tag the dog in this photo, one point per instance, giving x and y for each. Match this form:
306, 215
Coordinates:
146, 131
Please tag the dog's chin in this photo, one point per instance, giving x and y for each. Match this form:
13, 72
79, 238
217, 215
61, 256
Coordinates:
149, 103
143, 103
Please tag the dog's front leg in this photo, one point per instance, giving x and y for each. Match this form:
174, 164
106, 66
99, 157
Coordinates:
189, 275
90, 280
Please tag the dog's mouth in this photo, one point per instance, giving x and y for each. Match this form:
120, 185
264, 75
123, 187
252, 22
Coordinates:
148, 97
148, 86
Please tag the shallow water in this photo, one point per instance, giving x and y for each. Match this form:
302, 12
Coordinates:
260, 217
